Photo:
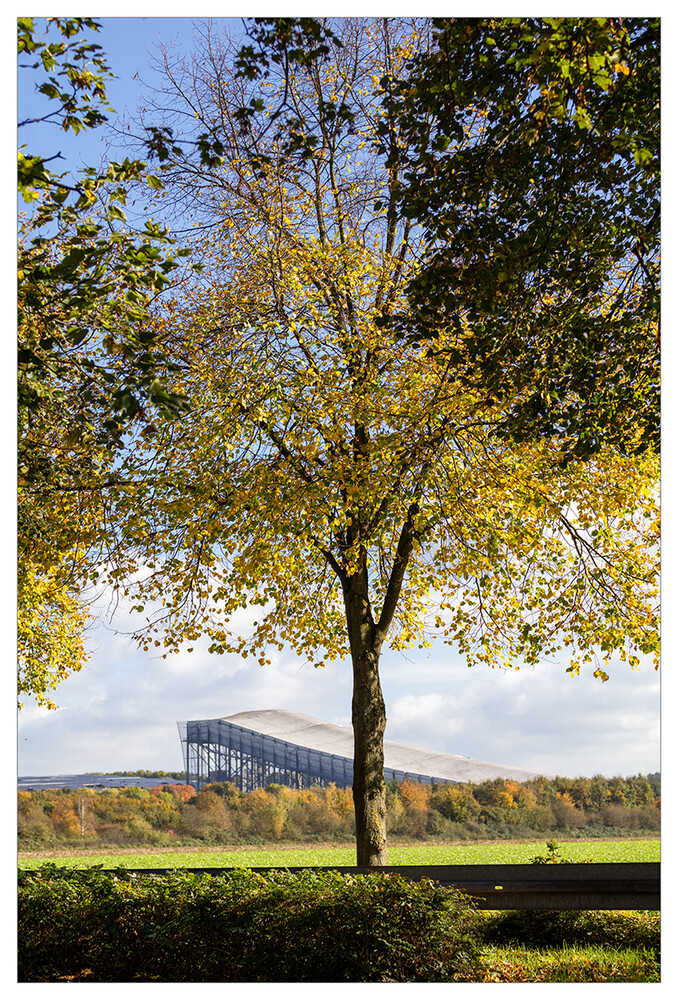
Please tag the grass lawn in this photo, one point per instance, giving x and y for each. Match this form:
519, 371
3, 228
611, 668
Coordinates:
570, 964
502, 852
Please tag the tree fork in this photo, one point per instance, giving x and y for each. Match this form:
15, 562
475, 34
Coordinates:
368, 707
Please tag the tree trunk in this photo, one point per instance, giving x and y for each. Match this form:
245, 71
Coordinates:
369, 724
369, 711
369, 790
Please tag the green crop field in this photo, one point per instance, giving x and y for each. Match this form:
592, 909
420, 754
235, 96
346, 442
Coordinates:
504, 852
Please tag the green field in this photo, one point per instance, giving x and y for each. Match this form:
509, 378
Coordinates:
504, 852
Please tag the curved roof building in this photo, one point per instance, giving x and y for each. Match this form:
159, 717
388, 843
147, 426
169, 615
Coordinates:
255, 749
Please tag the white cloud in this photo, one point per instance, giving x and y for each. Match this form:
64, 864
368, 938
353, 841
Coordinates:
121, 711
539, 718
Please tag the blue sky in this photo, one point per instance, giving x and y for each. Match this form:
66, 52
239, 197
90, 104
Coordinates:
121, 710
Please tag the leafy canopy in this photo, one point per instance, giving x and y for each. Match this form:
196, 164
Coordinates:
321, 446
87, 365
530, 154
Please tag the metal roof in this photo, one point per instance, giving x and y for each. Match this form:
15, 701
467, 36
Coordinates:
330, 738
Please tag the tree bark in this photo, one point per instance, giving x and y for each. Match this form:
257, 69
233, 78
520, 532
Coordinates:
369, 790
369, 724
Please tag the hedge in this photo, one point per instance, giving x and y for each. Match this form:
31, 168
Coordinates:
96, 926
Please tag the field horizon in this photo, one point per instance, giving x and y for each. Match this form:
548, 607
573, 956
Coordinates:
315, 845
620, 850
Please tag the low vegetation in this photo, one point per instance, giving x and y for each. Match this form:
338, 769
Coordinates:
566, 964
174, 815
570, 947
504, 852
95, 926
312, 927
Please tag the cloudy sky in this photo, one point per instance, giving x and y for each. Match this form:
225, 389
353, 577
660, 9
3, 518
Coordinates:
121, 711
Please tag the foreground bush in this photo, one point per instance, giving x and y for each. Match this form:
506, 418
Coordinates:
309, 927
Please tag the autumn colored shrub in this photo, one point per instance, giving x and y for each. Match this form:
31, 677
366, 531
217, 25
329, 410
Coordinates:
313, 926
566, 814
456, 802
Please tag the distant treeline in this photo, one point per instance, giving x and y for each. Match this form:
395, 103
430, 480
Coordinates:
220, 814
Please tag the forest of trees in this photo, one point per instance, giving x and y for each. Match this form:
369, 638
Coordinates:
175, 815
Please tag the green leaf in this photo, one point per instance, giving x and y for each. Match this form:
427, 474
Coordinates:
114, 212
642, 156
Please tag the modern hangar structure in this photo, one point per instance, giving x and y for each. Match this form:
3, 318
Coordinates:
256, 749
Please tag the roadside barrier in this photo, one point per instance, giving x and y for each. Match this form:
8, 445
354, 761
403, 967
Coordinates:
563, 886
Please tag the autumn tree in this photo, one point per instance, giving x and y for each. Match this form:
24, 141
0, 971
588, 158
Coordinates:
346, 485
456, 803
538, 138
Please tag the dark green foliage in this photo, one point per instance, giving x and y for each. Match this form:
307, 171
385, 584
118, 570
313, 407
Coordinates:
89, 369
532, 163
85, 282
554, 928
308, 927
